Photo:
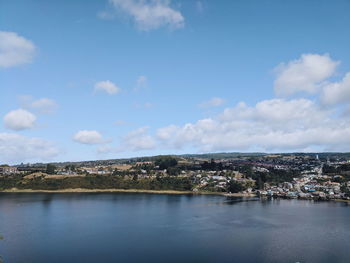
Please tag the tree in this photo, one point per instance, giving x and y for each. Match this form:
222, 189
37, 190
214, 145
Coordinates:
236, 187
165, 162
173, 171
345, 190
50, 168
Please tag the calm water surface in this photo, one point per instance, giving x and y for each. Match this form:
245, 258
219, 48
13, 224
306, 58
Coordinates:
41, 228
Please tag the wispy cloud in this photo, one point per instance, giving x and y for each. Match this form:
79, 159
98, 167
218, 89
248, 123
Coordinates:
146, 105
122, 123
199, 7
106, 15
141, 83
42, 105
213, 102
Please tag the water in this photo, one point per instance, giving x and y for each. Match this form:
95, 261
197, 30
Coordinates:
41, 228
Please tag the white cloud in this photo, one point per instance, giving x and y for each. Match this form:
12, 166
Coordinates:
150, 14
213, 102
19, 120
15, 148
271, 125
89, 137
306, 74
137, 140
338, 92
15, 50
107, 86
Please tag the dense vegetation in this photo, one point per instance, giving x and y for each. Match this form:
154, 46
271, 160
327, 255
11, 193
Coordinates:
211, 166
98, 182
236, 187
155, 179
165, 162
273, 177
341, 169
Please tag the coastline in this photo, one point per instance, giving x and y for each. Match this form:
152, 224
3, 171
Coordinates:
84, 190
141, 191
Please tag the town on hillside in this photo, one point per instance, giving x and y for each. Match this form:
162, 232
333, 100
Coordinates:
323, 176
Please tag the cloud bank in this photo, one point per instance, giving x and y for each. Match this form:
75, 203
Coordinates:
16, 148
270, 125
316, 123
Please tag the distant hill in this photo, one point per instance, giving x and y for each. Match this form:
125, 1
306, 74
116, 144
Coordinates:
215, 156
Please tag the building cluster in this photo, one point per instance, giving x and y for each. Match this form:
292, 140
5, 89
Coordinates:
21, 169
303, 176
313, 184
7, 170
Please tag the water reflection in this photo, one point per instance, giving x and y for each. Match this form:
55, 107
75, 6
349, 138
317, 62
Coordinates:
234, 200
126, 227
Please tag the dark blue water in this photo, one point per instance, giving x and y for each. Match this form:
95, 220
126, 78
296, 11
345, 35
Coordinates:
42, 228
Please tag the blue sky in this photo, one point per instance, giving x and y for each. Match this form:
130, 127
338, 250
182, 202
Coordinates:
105, 79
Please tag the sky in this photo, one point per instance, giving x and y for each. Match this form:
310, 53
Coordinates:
104, 79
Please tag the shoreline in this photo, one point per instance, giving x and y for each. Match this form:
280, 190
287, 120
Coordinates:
84, 190
140, 191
